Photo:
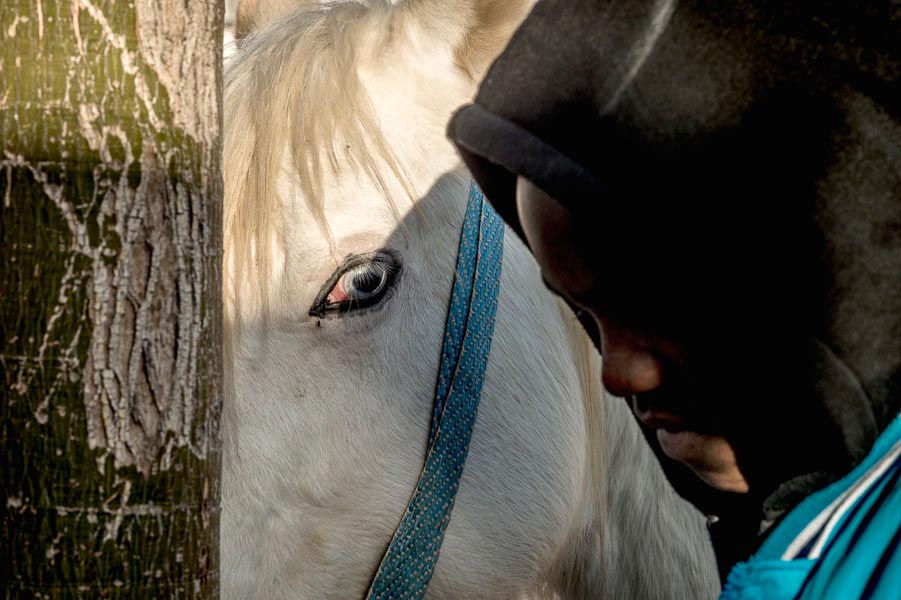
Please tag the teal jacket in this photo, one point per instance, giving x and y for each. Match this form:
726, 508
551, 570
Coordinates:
841, 542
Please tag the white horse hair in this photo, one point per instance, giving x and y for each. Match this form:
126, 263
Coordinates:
335, 146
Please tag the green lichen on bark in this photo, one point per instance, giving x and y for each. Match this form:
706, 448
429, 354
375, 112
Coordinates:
110, 316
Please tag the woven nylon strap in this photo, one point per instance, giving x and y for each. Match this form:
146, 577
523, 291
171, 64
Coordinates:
410, 560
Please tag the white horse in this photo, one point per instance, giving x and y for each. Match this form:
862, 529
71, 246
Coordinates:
337, 285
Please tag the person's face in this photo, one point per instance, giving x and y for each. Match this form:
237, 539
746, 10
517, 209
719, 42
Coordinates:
649, 367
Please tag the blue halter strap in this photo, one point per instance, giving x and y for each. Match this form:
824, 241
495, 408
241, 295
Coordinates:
410, 560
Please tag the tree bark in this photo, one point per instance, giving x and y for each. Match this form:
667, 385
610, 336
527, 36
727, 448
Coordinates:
110, 311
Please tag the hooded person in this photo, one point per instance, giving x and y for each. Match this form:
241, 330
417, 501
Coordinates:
717, 185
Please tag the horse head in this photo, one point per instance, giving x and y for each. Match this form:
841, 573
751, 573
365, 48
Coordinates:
343, 210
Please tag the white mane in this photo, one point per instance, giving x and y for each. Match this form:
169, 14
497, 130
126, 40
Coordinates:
295, 88
295, 85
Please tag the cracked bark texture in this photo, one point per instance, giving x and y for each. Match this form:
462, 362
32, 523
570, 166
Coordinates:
110, 312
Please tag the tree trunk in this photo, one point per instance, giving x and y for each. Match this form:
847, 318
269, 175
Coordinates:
110, 312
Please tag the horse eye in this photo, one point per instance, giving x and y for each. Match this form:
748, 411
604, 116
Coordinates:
360, 282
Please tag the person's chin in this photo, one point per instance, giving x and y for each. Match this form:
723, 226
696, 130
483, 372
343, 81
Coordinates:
710, 457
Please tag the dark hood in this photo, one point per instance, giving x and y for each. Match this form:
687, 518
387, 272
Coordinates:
765, 132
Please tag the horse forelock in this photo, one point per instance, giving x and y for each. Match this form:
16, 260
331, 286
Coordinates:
295, 107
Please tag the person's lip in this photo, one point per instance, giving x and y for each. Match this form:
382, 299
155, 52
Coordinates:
658, 419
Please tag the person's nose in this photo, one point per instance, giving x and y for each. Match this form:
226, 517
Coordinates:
630, 366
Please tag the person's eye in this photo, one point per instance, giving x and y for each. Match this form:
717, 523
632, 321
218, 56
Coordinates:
362, 281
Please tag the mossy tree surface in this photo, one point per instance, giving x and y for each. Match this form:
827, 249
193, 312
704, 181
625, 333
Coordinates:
110, 318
